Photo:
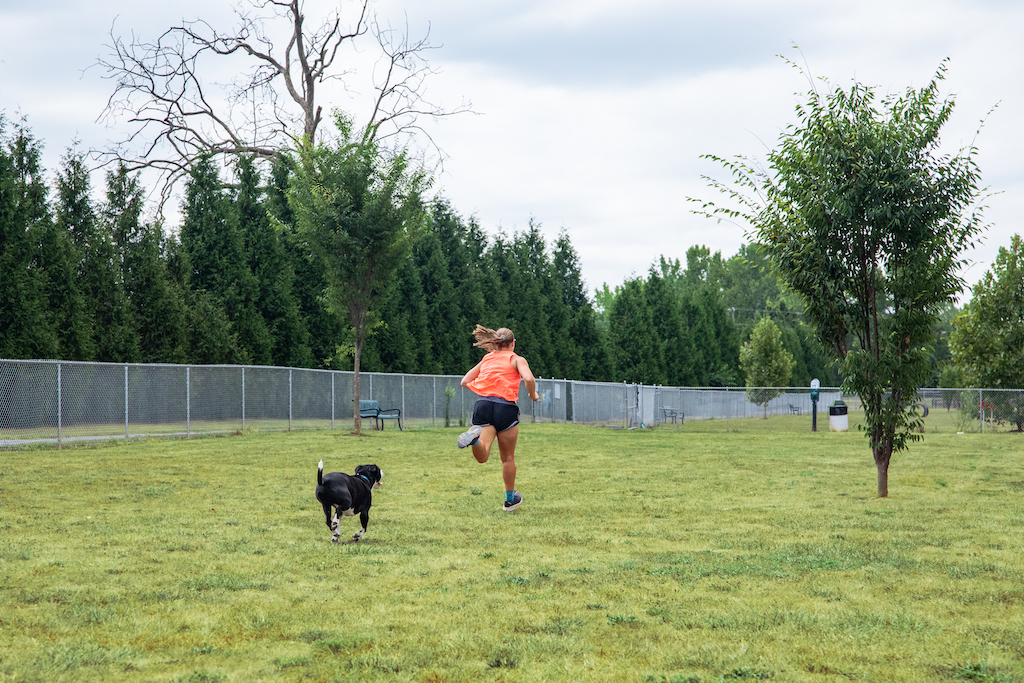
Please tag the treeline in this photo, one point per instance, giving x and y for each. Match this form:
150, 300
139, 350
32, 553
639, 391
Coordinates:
94, 281
683, 326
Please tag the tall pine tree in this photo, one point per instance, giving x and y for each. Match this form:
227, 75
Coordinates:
26, 325
215, 247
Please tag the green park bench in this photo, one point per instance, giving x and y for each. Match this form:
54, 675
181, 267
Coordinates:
372, 410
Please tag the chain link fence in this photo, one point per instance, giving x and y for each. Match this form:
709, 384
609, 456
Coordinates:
58, 400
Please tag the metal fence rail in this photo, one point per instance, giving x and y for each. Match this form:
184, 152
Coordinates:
58, 400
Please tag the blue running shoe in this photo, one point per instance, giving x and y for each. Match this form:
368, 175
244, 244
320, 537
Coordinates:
470, 437
511, 505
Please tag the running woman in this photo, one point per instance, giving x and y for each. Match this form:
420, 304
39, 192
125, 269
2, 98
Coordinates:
495, 379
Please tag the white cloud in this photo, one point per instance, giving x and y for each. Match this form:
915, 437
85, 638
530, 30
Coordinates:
593, 114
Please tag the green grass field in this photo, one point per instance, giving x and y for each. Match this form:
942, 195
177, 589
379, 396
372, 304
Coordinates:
668, 555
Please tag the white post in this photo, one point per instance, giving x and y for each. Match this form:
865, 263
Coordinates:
188, 402
126, 401
243, 398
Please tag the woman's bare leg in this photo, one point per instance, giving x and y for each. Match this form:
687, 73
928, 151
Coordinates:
482, 448
507, 450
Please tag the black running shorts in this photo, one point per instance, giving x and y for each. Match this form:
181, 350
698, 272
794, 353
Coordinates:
501, 416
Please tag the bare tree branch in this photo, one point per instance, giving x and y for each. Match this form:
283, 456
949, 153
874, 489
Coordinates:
176, 115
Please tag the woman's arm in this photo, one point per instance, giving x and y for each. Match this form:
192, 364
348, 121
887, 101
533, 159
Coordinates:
471, 375
524, 371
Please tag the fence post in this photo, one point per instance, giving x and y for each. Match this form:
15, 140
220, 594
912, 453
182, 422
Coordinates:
333, 373
727, 411
981, 407
289, 399
126, 401
60, 425
188, 402
403, 400
533, 405
243, 398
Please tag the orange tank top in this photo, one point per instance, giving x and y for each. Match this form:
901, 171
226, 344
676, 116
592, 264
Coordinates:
497, 376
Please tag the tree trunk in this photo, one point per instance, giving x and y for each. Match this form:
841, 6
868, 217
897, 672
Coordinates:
357, 420
882, 463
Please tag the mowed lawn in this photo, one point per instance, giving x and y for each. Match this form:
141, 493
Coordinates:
670, 555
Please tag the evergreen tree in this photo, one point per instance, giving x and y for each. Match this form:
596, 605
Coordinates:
401, 344
529, 308
499, 270
676, 343
697, 367
210, 337
463, 244
155, 302
56, 259
445, 326
272, 271
563, 355
26, 328
725, 347
99, 265
586, 357
324, 331
637, 349
211, 238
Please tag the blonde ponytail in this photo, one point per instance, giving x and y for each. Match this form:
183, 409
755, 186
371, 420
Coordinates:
493, 340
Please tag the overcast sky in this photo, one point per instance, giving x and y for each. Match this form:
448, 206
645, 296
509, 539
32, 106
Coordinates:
591, 115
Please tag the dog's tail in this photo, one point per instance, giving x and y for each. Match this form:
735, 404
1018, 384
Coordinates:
320, 473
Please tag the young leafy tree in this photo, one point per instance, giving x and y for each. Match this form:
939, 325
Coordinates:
768, 365
988, 336
863, 216
356, 205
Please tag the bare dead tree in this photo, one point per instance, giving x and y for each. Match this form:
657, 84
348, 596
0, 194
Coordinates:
175, 116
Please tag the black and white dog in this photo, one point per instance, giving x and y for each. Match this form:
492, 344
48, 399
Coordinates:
348, 495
